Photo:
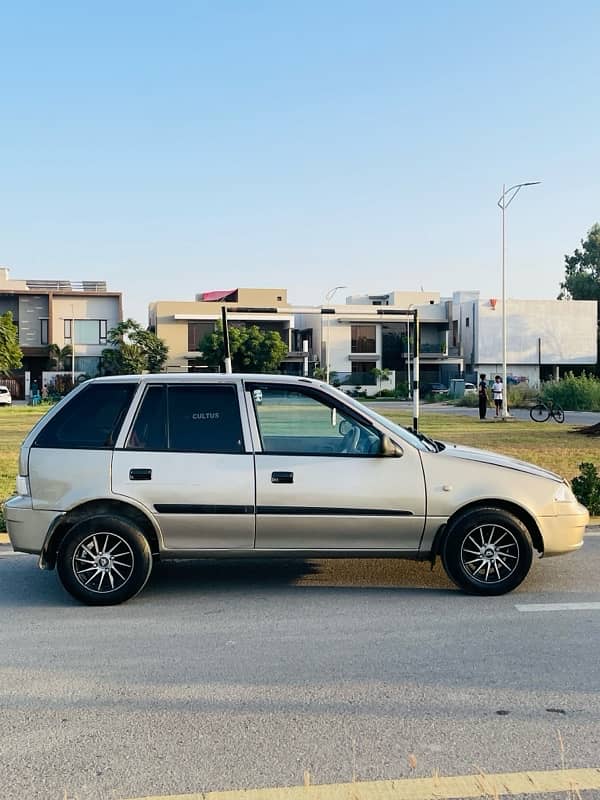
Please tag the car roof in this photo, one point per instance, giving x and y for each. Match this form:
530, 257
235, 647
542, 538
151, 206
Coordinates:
207, 377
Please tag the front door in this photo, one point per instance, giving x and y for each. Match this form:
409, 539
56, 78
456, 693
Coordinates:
321, 481
185, 460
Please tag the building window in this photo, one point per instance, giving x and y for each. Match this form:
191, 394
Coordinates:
466, 322
43, 331
87, 331
363, 339
196, 333
363, 366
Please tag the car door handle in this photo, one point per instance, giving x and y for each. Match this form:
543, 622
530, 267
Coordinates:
140, 474
282, 477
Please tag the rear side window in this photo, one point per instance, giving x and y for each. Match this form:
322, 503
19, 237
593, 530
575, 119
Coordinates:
91, 420
204, 419
149, 431
189, 419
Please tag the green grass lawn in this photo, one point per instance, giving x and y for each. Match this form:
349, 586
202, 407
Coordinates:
551, 446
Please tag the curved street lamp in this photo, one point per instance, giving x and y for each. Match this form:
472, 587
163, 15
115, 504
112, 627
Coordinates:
506, 198
328, 297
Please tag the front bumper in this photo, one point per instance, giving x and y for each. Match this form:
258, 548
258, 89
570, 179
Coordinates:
564, 533
27, 528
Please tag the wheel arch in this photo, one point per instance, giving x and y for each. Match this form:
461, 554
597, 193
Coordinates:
518, 511
94, 508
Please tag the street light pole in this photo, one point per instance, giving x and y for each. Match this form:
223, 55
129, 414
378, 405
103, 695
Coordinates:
328, 297
506, 198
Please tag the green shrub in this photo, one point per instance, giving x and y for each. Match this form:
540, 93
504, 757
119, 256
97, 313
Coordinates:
2, 520
521, 395
586, 487
574, 392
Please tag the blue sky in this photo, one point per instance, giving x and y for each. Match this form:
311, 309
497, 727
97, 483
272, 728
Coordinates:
171, 148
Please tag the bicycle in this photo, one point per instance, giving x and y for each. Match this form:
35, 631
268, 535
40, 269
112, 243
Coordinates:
543, 410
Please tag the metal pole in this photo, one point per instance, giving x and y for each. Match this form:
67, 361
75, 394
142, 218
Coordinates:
328, 297
327, 353
72, 346
226, 353
416, 373
503, 204
408, 356
504, 388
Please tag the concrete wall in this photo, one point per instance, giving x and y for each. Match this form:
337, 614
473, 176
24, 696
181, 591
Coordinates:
567, 331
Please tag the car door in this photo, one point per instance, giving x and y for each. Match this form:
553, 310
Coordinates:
322, 482
185, 459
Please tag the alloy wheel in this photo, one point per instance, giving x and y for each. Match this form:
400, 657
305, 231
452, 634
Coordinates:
103, 562
490, 553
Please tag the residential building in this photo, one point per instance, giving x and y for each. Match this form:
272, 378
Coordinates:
544, 337
376, 332
63, 313
184, 324
459, 337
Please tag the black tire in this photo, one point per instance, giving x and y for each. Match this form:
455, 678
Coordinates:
539, 412
487, 551
104, 561
558, 414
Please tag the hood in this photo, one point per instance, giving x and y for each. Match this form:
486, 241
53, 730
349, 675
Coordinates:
498, 460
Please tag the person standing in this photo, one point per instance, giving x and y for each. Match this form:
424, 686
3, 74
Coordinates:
497, 389
483, 395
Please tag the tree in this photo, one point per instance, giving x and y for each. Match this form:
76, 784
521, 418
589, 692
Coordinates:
10, 352
133, 350
582, 274
382, 376
582, 269
58, 357
251, 349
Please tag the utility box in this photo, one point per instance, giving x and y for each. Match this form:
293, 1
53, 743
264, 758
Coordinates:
457, 387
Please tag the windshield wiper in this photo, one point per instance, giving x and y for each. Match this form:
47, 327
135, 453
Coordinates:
424, 438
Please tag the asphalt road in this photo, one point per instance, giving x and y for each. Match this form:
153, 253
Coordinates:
571, 417
233, 675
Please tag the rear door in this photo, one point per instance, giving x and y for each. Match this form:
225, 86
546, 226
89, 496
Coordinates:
186, 459
321, 482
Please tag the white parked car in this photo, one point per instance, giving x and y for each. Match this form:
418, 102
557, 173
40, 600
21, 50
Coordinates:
5, 396
129, 469
470, 388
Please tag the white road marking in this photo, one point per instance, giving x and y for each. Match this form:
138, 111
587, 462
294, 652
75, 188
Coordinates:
558, 607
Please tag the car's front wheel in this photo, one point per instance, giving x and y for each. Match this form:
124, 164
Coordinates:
104, 560
487, 551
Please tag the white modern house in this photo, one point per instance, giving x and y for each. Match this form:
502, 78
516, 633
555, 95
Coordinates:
544, 337
376, 332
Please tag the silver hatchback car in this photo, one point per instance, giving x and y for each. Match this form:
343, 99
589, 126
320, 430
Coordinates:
129, 469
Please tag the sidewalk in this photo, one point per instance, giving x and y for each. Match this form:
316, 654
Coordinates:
593, 527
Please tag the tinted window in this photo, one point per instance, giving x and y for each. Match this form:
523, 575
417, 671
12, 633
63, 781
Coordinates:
149, 431
204, 419
92, 419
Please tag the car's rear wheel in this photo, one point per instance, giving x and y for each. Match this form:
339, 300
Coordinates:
104, 560
487, 551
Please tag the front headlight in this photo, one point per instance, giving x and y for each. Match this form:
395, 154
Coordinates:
564, 494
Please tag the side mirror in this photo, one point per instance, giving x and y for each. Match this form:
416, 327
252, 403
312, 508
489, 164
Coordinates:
390, 449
